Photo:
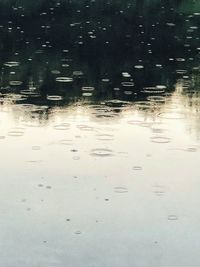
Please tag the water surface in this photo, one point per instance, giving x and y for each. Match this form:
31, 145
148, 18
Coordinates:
99, 133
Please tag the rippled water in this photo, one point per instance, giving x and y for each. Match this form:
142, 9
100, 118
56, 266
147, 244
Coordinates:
99, 133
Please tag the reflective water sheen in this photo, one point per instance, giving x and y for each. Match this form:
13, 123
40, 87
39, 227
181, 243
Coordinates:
99, 133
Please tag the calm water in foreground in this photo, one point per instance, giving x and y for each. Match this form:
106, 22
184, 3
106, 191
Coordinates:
100, 134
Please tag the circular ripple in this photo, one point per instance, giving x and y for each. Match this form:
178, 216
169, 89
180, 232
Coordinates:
121, 190
191, 149
160, 139
11, 64
62, 126
128, 92
158, 128
56, 72
87, 94
153, 90
116, 102
78, 73
157, 99
172, 218
127, 84
54, 97
135, 122
139, 67
64, 79
66, 142
16, 132
143, 104
29, 93
101, 152
88, 89
15, 83
105, 137
36, 148
16, 97
172, 115
137, 168
83, 127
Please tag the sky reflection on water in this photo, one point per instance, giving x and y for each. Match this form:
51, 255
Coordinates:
82, 186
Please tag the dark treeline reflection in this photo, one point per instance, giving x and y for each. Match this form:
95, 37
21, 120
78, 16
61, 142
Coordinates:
57, 52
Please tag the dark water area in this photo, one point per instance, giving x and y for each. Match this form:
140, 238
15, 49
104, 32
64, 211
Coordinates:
108, 45
99, 133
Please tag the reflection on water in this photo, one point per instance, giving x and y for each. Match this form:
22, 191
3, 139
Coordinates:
99, 133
